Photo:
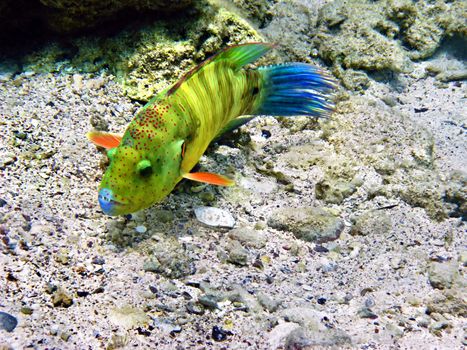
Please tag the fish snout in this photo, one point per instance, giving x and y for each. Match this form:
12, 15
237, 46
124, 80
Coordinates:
107, 201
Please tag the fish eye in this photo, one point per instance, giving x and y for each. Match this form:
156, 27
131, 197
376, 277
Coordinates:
111, 153
144, 168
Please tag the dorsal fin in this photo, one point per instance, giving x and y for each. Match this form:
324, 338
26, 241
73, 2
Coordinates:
238, 55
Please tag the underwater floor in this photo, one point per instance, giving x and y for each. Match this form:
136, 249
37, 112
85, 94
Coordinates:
349, 232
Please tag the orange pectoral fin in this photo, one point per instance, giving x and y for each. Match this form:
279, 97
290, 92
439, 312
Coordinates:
104, 139
209, 178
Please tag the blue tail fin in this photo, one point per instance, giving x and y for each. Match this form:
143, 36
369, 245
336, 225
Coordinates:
295, 89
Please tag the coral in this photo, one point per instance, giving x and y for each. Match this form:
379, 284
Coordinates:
371, 36
149, 59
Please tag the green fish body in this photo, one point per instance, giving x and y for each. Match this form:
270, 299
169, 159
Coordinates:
171, 132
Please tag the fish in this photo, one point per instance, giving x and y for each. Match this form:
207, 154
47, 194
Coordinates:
168, 136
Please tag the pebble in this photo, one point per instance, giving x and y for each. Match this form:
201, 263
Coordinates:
237, 254
7, 321
26, 310
311, 224
372, 222
369, 302
268, 303
141, 229
128, 317
278, 335
209, 300
214, 217
167, 326
2, 202
365, 312
442, 275
248, 237
195, 308
61, 298
219, 334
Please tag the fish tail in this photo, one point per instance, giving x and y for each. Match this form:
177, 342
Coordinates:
295, 89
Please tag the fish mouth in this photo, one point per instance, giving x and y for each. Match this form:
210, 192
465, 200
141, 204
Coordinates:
109, 204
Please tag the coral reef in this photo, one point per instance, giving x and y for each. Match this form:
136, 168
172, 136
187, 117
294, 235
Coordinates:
149, 59
384, 35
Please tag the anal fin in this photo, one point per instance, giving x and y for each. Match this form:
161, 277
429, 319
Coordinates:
210, 178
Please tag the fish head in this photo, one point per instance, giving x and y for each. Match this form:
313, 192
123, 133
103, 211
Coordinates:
137, 177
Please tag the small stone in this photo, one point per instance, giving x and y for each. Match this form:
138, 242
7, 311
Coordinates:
437, 327
279, 334
61, 298
65, 336
268, 303
214, 217
237, 254
219, 334
209, 300
7, 321
308, 223
98, 260
141, 229
152, 265
375, 222
26, 310
50, 288
369, 302
366, 312
2, 202
194, 308
442, 275
248, 237
128, 317
163, 216
423, 321
258, 264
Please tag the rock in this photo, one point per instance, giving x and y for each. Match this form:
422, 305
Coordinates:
61, 298
308, 223
268, 303
375, 222
209, 300
334, 190
128, 317
163, 216
305, 317
141, 229
278, 335
26, 310
442, 275
260, 187
312, 331
437, 327
237, 254
219, 334
248, 237
214, 217
167, 326
195, 308
169, 258
7, 321
365, 312
450, 301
